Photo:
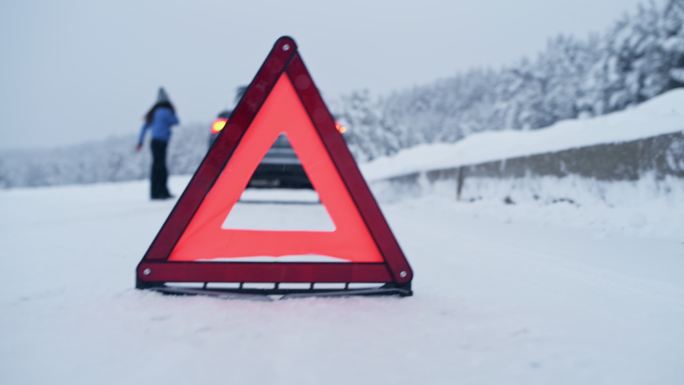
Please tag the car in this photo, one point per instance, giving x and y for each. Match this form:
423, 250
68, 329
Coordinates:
280, 167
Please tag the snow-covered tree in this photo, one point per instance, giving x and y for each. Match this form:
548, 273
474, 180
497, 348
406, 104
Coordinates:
639, 57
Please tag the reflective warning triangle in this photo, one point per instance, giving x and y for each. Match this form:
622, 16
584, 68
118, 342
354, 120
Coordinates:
193, 246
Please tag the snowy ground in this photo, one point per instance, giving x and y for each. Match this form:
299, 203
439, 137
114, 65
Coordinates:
504, 294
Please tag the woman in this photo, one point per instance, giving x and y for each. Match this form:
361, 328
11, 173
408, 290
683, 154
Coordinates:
158, 121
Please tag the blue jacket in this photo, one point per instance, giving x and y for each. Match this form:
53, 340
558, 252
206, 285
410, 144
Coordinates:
160, 126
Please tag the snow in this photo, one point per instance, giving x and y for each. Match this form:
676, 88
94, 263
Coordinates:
287, 210
661, 115
504, 294
274, 216
649, 207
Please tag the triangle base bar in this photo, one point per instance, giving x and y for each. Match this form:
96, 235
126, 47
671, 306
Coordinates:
155, 273
261, 294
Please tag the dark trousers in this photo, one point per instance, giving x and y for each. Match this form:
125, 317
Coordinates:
159, 175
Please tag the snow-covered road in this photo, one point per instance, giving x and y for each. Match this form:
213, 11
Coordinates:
499, 299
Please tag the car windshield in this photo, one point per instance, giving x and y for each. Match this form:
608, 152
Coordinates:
281, 141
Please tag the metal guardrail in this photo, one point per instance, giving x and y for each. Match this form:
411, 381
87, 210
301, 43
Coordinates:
661, 155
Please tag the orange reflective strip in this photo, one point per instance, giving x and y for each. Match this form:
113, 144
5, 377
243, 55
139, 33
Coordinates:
282, 112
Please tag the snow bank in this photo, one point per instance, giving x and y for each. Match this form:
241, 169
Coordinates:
661, 115
645, 208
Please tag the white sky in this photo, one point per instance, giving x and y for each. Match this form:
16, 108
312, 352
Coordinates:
72, 71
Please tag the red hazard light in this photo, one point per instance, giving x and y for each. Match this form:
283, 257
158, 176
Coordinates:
340, 127
218, 125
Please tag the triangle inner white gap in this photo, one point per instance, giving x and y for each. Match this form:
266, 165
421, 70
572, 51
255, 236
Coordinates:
279, 209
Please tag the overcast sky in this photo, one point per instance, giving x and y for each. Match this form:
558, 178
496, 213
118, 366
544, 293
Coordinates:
72, 71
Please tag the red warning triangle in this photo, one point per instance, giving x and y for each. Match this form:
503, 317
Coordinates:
193, 246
